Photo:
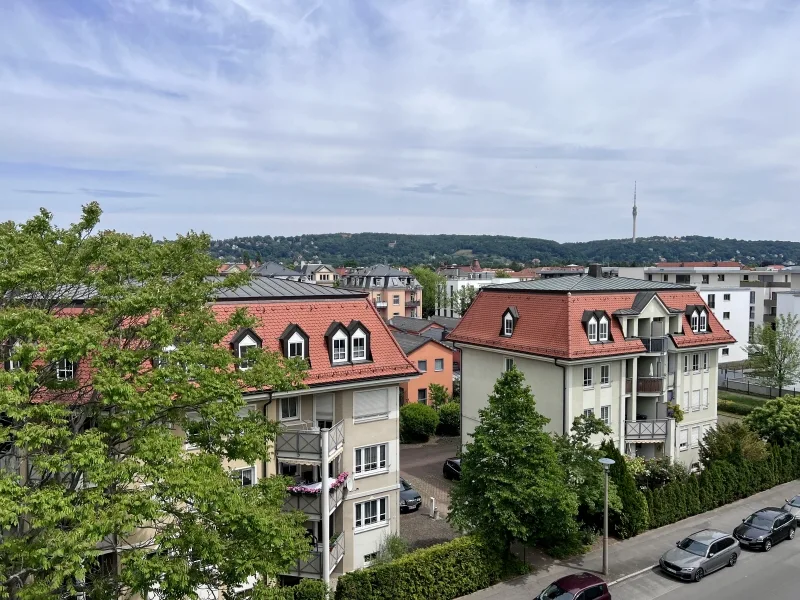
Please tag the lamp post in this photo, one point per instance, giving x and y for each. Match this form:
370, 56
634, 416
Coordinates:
606, 462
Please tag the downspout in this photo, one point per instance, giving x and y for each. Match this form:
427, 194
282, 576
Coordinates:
565, 416
266, 414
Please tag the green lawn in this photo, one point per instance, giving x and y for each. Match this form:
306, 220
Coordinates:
742, 399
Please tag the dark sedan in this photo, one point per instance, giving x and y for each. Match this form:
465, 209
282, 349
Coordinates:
576, 587
452, 468
409, 497
765, 528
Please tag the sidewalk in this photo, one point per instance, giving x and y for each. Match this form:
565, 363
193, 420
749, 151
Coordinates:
637, 554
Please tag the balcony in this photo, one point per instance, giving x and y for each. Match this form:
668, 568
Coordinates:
412, 303
651, 429
654, 345
305, 446
312, 567
380, 303
646, 385
310, 502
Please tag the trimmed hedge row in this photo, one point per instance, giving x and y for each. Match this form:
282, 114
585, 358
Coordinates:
441, 572
307, 589
721, 483
734, 408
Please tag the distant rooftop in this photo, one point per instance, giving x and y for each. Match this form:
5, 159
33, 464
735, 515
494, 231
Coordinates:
586, 283
410, 342
267, 288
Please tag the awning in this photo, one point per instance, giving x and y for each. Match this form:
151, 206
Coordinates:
299, 461
644, 441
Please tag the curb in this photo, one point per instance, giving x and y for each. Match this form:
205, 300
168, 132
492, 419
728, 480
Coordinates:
632, 575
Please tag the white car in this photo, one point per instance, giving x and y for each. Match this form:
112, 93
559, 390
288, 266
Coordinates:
793, 506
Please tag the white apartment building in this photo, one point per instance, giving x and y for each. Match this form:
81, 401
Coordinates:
621, 349
733, 309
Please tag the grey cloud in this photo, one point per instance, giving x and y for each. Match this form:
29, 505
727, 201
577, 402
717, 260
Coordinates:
434, 188
116, 193
44, 192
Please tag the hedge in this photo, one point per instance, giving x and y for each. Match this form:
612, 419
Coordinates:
307, 589
734, 408
440, 572
417, 422
721, 483
633, 518
449, 419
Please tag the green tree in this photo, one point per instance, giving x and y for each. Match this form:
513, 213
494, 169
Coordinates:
778, 421
432, 285
88, 436
634, 517
734, 442
502, 274
774, 354
463, 299
438, 395
512, 485
418, 422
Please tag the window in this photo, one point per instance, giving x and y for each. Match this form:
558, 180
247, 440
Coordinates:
339, 347
244, 347
422, 365
368, 558
371, 512
695, 322
371, 404
696, 400
666, 277
370, 459
359, 347
605, 375
592, 330
712, 301
705, 361
603, 330
287, 470
681, 279
705, 397
721, 277
508, 364
588, 377
288, 408
695, 437
422, 395
296, 349
726, 352
438, 364
752, 297
649, 277
605, 414
685, 363
508, 325
703, 321
726, 297
685, 405
726, 316
683, 439
588, 412
65, 370
245, 477
396, 300
695, 362
752, 313
593, 593
705, 278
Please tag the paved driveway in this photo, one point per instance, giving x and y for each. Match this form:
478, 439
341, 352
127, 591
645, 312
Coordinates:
421, 467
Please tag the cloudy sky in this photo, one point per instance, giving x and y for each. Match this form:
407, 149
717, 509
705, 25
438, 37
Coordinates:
242, 117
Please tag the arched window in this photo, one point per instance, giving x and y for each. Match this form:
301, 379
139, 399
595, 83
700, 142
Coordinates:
359, 345
703, 321
339, 350
295, 346
694, 322
508, 325
603, 330
591, 329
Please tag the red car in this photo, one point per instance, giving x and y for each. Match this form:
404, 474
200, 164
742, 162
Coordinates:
576, 587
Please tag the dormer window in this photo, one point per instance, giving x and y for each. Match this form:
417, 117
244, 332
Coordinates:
603, 330
9, 364
337, 339
160, 362
703, 322
65, 370
591, 329
509, 322
597, 325
359, 341
295, 346
294, 342
339, 347
243, 342
695, 322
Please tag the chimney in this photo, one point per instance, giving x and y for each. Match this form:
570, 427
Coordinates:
596, 270
476, 266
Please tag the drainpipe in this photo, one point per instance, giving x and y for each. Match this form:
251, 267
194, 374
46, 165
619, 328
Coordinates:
325, 509
565, 416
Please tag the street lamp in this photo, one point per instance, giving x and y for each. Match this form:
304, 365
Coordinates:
606, 462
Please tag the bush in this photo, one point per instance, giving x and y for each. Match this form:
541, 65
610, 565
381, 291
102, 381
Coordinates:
307, 589
633, 518
438, 395
449, 419
441, 572
392, 547
734, 408
418, 422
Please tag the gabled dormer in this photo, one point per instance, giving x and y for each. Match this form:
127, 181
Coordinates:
509, 321
245, 340
597, 325
294, 342
337, 340
360, 349
698, 318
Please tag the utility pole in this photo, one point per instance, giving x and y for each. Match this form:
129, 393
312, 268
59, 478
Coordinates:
606, 462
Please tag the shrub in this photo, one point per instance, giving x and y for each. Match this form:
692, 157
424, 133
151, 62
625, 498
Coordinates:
449, 419
418, 422
441, 572
633, 518
307, 589
734, 408
392, 547
438, 395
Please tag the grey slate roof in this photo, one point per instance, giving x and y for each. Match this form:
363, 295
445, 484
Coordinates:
410, 342
273, 269
275, 289
309, 268
381, 271
586, 283
446, 322
409, 323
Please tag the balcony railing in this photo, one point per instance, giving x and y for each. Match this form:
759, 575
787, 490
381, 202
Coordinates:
654, 344
652, 429
311, 504
312, 567
412, 303
380, 303
300, 444
645, 385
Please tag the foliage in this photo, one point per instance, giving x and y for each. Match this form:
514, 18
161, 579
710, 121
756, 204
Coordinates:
307, 589
778, 420
418, 422
392, 547
502, 274
733, 442
432, 285
653, 473
83, 449
512, 485
584, 474
438, 395
774, 354
633, 518
675, 411
440, 572
449, 419
463, 299
734, 408
457, 389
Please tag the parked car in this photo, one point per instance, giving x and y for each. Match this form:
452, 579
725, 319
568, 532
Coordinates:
793, 506
576, 587
765, 528
409, 497
699, 554
452, 468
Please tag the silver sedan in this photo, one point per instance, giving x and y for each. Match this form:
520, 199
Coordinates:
793, 506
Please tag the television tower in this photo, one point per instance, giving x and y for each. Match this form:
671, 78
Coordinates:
635, 212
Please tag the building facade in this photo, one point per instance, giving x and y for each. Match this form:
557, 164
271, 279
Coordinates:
319, 273
733, 309
434, 361
621, 349
394, 293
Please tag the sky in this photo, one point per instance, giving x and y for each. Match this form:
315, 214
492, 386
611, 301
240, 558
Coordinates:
282, 117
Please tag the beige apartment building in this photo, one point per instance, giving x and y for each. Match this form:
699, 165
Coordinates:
394, 293
618, 348
318, 273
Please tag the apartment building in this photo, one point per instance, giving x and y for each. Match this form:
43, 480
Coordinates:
341, 434
395, 293
434, 361
319, 273
733, 309
620, 349
447, 304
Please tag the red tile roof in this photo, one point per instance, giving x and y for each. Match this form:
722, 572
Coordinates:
314, 318
550, 324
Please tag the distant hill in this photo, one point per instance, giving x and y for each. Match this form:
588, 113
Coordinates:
397, 249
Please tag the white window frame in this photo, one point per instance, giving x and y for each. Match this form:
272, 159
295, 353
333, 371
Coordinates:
602, 330
683, 439
508, 325
65, 370
695, 363
359, 339
705, 362
588, 412
588, 382
13, 365
247, 342
380, 464
238, 474
695, 436
605, 375
686, 406
339, 355
438, 364
295, 341
508, 364
726, 316
605, 414
703, 326
695, 322
695, 400
591, 329
726, 352
377, 518
685, 364
705, 397
396, 300
290, 401
726, 297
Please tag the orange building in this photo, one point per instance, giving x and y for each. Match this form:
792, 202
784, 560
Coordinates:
434, 361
